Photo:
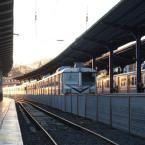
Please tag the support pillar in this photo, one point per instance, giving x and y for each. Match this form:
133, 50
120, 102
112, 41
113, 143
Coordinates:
111, 70
122, 68
1, 91
138, 64
93, 63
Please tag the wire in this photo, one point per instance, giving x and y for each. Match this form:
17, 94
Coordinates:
36, 18
87, 17
35, 10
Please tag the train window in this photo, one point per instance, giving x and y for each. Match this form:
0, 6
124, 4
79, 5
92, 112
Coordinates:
57, 80
143, 66
123, 82
114, 83
106, 83
52, 81
99, 84
49, 81
143, 79
133, 81
88, 78
71, 78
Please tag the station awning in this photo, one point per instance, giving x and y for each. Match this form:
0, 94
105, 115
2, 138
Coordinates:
114, 29
6, 35
122, 57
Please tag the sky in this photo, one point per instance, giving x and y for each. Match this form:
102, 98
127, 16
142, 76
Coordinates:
38, 38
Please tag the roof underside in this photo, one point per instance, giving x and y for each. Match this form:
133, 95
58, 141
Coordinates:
6, 35
111, 31
121, 57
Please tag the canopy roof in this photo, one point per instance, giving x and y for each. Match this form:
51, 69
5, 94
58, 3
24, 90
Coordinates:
6, 35
122, 57
114, 29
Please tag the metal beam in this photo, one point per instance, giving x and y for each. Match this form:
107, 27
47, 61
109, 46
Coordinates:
1, 93
138, 64
93, 63
111, 69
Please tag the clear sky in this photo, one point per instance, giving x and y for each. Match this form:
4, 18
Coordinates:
56, 20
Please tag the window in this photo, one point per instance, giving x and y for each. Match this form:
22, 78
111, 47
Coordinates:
107, 84
71, 78
88, 78
123, 82
133, 81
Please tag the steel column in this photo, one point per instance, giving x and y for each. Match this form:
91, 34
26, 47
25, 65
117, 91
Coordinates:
138, 64
129, 114
1, 91
111, 70
93, 63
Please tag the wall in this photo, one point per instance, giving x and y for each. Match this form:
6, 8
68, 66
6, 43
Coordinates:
122, 111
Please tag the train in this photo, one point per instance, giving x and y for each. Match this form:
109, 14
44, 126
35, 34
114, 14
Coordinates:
122, 83
66, 80
81, 80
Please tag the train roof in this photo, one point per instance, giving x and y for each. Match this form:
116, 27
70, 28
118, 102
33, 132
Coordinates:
121, 74
69, 69
81, 69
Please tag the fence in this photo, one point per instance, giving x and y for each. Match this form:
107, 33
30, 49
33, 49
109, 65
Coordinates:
122, 111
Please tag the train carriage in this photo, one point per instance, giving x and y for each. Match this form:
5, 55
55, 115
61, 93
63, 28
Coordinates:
123, 83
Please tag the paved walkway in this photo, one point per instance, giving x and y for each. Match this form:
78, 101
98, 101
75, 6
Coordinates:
10, 133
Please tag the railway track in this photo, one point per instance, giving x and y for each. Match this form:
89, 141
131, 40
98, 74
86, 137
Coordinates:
61, 131
31, 133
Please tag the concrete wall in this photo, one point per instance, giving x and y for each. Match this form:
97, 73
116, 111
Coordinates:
122, 111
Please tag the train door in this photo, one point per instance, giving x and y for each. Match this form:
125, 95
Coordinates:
115, 84
132, 85
128, 83
99, 86
56, 84
143, 81
123, 83
39, 88
48, 84
43, 87
105, 85
60, 83
52, 85
118, 83
102, 86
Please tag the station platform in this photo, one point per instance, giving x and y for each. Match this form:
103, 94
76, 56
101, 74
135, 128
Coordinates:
10, 133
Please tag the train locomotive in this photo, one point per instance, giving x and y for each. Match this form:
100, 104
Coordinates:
66, 80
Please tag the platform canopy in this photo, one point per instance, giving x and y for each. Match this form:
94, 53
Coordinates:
116, 28
6, 35
123, 56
